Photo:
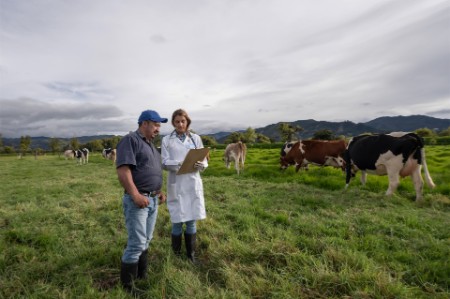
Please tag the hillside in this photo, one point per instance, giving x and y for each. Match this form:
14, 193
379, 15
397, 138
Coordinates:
348, 128
43, 142
310, 126
408, 123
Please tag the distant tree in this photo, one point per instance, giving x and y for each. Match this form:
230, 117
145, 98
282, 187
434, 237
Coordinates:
106, 143
287, 131
261, 138
9, 150
111, 142
445, 132
250, 135
95, 145
1, 143
55, 145
324, 135
208, 140
38, 151
74, 143
425, 132
234, 137
25, 142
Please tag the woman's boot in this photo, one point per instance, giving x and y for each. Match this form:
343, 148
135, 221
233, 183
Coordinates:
190, 240
176, 244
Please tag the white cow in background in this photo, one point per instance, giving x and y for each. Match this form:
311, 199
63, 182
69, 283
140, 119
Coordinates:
69, 154
235, 152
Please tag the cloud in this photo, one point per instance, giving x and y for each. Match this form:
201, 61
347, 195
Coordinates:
33, 117
93, 66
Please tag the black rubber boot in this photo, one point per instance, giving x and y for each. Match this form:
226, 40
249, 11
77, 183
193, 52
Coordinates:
176, 244
142, 265
190, 240
128, 273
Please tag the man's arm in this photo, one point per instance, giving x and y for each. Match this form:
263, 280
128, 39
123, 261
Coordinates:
126, 180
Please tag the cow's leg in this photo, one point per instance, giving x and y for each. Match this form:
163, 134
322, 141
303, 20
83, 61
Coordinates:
394, 180
418, 183
363, 177
236, 165
227, 163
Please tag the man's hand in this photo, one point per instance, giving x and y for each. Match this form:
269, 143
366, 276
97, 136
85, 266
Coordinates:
140, 200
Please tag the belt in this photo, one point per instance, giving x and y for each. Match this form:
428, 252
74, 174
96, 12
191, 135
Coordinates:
151, 193
147, 193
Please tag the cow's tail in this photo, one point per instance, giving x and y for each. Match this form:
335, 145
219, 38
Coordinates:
348, 167
428, 178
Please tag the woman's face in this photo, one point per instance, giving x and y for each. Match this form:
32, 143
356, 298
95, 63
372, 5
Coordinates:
180, 124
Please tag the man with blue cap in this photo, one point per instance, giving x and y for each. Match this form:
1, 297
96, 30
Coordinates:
139, 171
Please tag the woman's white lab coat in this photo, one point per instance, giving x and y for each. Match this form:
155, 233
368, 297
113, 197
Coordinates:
185, 199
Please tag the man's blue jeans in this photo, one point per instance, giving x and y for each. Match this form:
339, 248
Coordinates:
140, 223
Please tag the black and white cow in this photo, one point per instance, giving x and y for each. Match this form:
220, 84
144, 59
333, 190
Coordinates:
82, 156
110, 154
398, 154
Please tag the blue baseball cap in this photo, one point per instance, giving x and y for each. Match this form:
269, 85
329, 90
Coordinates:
151, 115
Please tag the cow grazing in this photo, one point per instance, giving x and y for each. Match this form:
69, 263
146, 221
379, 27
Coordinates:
69, 154
82, 156
398, 154
235, 152
316, 152
110, 154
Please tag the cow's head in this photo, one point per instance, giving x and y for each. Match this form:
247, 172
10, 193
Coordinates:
286, 148
337, 162
284, 163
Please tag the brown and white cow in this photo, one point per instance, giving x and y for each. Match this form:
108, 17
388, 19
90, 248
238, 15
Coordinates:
235, 152
110, 154
316, 152
398, 154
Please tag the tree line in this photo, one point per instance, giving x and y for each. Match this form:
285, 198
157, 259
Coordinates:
287, 132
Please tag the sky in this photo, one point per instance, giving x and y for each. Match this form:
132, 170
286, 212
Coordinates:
90, 67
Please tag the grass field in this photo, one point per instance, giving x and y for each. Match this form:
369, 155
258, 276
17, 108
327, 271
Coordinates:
268, 234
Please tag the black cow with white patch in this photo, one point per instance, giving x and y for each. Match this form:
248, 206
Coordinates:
82, 156
110, 154
398, 154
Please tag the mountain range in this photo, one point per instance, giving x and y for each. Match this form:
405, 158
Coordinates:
310, 126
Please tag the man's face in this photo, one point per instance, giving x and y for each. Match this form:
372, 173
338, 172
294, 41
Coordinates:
150, 129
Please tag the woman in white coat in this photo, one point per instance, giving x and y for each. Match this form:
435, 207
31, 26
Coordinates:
185, 200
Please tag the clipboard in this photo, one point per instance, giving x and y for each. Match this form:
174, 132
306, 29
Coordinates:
194, 155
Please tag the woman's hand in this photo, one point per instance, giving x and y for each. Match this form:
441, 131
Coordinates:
162, 197
199, 166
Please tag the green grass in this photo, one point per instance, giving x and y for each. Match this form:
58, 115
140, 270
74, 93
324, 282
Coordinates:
268, 234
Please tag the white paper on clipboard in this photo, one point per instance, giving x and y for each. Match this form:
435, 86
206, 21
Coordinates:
194, 155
